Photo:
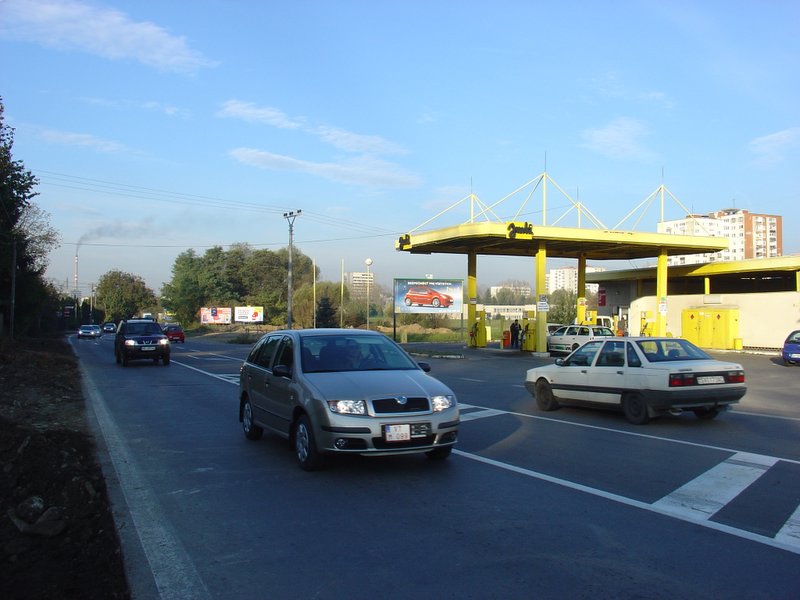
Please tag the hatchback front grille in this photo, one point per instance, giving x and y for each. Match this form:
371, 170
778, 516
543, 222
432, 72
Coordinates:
384, 406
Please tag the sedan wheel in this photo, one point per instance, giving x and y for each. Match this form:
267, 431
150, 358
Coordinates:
706, 413
544, 396
251, 430
305, 446
635, 409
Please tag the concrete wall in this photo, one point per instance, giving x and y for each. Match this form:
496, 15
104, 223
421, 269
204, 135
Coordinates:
765, 319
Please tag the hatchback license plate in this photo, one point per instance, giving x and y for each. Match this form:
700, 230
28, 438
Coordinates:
710, 379
397, 433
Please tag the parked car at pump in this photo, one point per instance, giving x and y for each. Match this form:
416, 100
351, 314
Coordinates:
427, 296
344, 391
140, 339
644, 377
89, 331
174, 333
571, 337
109, 327
791, 348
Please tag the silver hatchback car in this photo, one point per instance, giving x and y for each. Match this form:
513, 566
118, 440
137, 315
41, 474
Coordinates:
344, 391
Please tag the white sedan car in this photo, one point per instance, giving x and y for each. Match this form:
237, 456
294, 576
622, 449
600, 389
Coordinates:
571, 337
643, 376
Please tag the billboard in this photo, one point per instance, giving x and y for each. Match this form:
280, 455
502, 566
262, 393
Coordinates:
428, 296
215, 316
248, 314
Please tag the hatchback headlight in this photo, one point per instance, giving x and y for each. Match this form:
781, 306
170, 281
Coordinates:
440, 403
348, 407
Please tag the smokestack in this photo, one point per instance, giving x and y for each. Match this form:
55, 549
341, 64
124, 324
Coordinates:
76, 274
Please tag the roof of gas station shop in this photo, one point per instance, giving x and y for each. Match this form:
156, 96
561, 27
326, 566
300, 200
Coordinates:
516, 238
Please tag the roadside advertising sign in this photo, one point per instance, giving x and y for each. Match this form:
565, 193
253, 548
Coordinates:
215, 315
248, 314
437, 296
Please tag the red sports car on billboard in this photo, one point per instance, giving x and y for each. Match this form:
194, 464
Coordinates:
427, 296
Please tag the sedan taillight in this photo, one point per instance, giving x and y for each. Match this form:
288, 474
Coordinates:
681, 379
735, 377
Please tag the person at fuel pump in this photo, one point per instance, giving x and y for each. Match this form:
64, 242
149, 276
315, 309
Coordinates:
515, 327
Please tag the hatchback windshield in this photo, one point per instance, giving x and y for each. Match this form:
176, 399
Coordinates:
327, 353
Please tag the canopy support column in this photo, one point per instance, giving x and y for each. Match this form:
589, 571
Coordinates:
581, 308
472, 287
661, 295
541, 290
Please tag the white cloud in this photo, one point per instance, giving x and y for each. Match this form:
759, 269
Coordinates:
359, 171
620, 139
267, 115
106, 32
770, 149
83, 140
354, 142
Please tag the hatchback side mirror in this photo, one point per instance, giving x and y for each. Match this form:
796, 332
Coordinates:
282, 371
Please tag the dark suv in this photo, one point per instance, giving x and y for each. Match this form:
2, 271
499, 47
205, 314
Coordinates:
140, 339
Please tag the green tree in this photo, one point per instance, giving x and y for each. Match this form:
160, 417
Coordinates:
563, 306
326, 313
25, 239
122, 295
184, 294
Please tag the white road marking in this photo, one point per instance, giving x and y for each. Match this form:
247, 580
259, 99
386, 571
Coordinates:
706, 494
174, 572
787, 543
790, 532
480, 414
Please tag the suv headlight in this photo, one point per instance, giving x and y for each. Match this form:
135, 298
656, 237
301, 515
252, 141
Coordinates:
130, 342
440, 403
163, 341
348, 407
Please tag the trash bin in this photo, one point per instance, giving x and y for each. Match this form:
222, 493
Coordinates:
506, 339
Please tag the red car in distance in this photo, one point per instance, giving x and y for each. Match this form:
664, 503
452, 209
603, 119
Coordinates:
174, 333
427, 296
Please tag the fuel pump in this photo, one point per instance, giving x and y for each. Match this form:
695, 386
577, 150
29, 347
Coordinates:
527, 332
478, 336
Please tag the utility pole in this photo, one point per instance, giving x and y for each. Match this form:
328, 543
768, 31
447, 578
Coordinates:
290, 217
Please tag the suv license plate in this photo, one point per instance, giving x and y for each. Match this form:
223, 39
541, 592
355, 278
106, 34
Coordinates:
146, 348
710, 379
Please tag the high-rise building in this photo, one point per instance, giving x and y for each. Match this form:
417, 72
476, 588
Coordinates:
566, 278
749, 235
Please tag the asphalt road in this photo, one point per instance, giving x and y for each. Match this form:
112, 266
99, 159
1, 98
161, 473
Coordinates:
574, 503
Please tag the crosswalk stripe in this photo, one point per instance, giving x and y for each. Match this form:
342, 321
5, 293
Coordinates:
790, 532
706, 494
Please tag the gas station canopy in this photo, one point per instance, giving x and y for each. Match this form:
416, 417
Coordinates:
515, 238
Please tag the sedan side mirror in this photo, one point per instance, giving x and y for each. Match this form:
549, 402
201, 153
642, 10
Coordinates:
425, 366
560, 362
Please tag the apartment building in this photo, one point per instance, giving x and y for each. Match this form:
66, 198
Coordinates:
749, 235
566, 278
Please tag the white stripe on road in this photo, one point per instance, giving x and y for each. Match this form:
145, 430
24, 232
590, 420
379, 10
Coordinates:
790, 532
175, 575
704, 495
785, 543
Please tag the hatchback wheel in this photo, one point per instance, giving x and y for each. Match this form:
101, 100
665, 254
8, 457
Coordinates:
251, 430
305, 446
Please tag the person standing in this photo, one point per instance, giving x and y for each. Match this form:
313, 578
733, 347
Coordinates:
515, 327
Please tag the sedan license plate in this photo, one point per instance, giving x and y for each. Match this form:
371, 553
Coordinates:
709, 379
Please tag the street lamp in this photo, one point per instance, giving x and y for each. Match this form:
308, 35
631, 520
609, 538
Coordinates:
368, 262
290, 217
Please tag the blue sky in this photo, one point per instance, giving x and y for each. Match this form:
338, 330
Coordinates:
156, 127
